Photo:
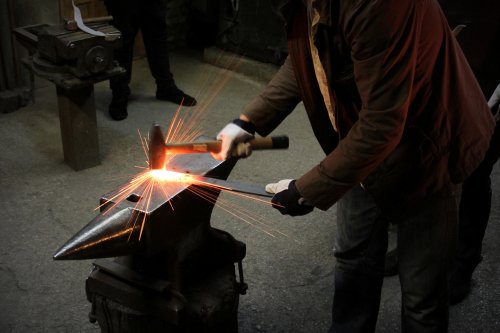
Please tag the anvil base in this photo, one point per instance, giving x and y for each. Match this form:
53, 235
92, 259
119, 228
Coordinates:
127, 302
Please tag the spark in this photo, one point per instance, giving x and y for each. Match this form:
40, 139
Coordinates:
165, 182
142, 187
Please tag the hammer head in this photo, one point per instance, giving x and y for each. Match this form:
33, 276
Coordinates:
157, 154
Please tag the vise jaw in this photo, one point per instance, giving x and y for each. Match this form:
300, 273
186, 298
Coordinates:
81, 53
58, 51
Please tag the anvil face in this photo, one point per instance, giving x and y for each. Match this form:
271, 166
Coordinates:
174, 220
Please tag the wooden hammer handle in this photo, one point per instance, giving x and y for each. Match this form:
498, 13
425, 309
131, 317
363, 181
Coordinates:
244, 149
273, 142
269, 142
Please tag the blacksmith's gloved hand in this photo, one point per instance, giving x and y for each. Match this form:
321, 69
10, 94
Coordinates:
287, 199
237, 131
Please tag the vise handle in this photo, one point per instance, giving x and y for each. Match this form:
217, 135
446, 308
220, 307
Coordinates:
70, 24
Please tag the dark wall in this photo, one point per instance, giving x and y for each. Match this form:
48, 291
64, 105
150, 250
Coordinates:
13, 79
253, 29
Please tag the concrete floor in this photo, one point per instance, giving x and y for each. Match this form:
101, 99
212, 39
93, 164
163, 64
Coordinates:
44, 202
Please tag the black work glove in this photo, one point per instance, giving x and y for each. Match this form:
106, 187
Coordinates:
287, 199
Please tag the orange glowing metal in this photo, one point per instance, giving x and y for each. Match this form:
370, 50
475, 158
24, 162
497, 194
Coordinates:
170, 176
179, 177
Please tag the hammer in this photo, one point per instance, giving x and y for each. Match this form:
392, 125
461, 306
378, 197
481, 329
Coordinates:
158, 150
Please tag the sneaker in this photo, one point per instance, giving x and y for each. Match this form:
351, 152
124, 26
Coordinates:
175, 95
118, 107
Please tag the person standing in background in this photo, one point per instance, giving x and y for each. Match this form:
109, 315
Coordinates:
148, 16
479, 40
474, 214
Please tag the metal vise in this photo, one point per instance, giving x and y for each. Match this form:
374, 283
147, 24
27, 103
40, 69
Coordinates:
74, 61
71, 51
82, 54
179, 276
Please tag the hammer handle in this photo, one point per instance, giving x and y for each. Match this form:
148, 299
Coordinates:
273, 142
270, 142
98, 19
70, 23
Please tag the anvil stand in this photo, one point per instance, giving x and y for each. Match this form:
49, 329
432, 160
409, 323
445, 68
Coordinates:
77, 111
132, 294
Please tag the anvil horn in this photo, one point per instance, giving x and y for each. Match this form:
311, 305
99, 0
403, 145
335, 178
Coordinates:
107, 235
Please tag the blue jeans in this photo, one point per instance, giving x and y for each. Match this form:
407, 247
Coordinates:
426, 239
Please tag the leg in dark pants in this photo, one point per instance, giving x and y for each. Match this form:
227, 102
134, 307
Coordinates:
475, 207
155, 35
149, 16
426, 243
360, 248
426, 240
126, 19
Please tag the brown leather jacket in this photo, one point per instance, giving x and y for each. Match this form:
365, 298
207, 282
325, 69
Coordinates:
410, 115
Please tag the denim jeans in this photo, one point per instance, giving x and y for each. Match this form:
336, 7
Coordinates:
426, 239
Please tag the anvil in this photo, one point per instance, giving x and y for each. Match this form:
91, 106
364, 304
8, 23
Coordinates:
175, 224
179, 273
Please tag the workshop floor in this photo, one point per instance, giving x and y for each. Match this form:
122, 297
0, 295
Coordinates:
43, 202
